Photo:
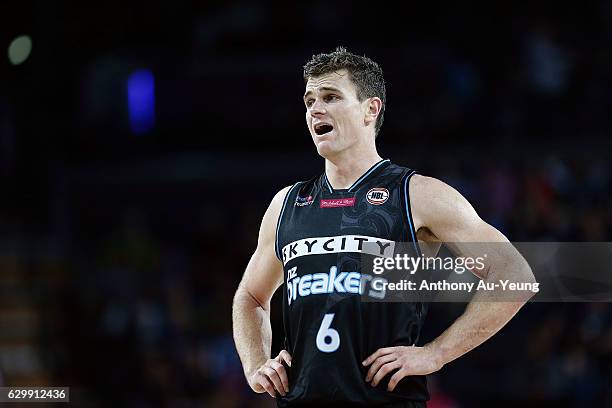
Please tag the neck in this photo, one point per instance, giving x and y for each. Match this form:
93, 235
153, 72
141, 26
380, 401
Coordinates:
345, 168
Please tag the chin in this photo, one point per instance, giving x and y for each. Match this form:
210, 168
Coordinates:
325, 149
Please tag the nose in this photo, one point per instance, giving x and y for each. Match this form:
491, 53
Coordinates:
317, 108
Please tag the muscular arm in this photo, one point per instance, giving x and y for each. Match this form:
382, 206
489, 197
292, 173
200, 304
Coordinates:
251, 309
441, 214
451, 219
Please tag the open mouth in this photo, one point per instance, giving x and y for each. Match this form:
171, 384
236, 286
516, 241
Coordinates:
323, 128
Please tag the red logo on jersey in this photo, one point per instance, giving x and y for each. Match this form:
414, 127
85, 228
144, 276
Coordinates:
303, 201
377, 196
338, 202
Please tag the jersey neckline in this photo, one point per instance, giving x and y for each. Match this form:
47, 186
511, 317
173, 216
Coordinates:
378, 165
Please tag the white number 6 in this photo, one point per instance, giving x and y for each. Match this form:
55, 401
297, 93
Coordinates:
325, 332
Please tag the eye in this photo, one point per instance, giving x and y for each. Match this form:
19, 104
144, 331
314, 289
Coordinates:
330, 98
309, 102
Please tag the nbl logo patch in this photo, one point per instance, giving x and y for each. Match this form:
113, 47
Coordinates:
377, 196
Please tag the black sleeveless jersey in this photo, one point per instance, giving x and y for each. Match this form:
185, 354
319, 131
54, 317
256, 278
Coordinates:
329, 330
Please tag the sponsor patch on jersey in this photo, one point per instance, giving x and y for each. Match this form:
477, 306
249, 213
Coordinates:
337, 202
333, 281
377, 196
338, 244
303, 201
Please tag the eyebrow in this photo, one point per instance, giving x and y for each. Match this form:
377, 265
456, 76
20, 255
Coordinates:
325, 88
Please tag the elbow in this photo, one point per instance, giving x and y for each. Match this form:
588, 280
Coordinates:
243, 298
529, 280
528, 276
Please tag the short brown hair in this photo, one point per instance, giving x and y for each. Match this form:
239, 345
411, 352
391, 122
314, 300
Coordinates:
363, 72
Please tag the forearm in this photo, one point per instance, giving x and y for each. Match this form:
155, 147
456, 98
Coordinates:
479, 322
484, 316
252, 331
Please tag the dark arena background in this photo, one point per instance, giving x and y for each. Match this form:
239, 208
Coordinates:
141, 142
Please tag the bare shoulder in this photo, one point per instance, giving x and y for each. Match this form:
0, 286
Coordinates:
277, 202
428, 187
279, 197
264, 273
268, 224
429, 191
437, 207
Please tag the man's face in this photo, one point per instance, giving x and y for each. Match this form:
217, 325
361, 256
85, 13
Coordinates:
334, 115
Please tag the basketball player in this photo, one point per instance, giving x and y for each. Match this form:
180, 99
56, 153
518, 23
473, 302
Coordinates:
340, 351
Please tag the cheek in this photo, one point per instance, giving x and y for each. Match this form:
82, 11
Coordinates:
347, 121
308, 121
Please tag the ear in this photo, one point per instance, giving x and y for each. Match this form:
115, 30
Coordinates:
374, 105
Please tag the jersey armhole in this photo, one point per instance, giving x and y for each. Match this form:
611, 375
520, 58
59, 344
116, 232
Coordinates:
278, 222
421, 307
410, 221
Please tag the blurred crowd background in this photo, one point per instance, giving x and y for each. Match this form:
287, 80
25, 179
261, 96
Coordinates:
140, 143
